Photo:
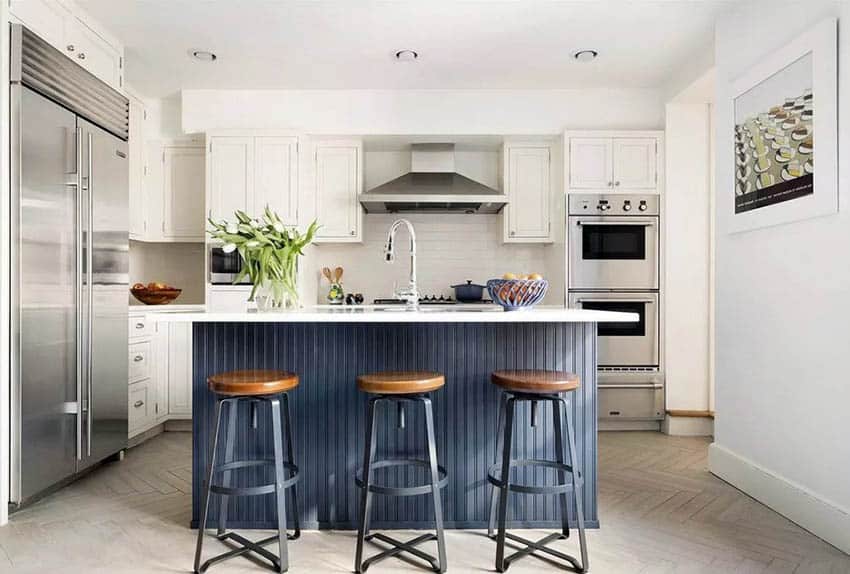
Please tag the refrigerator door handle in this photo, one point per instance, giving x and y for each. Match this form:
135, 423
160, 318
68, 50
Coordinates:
89, 275
78, 296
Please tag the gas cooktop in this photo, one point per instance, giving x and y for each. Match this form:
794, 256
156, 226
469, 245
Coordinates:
433, 300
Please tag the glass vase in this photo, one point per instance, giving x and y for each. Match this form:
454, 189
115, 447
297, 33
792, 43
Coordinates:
277, 295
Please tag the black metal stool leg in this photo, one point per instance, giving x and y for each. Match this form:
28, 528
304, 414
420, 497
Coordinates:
230, 439
559, 457
205, 508
366, 497
510, 406
577, 488
435, 479
280, 491
291, 459
494, 496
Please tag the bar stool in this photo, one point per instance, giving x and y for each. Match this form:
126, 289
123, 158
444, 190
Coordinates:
255, 387
535, 386
400, 388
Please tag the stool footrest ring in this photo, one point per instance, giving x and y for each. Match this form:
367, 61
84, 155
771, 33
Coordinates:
398, 547
532, 546
254, 490
495, 472
402, 490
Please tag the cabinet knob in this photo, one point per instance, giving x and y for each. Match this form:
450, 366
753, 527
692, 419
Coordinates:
138, 358
81, 56
617, 183
70, 47
513, 233
140, 325
353, 232
610, 184
138, 404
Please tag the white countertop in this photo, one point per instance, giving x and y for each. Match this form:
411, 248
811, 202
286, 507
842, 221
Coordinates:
398, 314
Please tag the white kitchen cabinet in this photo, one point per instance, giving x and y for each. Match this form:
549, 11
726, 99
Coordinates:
66, 27
180, 370
613, 163
182, 192
635, 163
138, 201
231, 172
160, 349
591, 163
276, 177
527, 173
338, 173
140, 408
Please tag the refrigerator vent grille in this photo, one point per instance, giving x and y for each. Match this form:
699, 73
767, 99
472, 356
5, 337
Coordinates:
49, 72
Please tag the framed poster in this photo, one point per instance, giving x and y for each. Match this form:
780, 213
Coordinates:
779, 106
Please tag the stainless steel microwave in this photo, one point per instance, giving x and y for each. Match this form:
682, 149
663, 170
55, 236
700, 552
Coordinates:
225, 267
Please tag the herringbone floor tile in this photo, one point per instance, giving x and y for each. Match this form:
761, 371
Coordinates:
661, 512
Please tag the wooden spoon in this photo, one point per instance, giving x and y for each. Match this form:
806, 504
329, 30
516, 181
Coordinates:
338, 274
327, 273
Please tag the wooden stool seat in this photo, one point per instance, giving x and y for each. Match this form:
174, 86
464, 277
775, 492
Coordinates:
400, 382
534, 381
252, 382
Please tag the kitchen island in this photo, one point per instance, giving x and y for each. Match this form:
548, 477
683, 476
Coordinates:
329, 347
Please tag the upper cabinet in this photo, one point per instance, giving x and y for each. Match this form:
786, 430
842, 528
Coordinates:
249, 172
182, 192
137, 167
527, 181
68, 29
338, 173
613, 163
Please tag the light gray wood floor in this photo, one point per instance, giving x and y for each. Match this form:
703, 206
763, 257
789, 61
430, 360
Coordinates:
661, 511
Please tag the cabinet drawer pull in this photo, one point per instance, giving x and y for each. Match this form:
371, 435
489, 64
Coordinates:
138, 404
138, 358
140, 325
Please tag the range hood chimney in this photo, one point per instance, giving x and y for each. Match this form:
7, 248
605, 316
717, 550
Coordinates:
433, 186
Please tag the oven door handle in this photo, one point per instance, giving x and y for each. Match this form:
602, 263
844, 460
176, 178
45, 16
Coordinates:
604, 223
628, 386
648, 301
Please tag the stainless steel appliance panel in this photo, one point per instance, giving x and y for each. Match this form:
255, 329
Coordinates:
624, 344
225, 267
613, 252
105, 179
44, 358
631, 395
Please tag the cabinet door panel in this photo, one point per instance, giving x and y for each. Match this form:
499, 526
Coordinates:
180, 369
46, 18
337, 187
590, 163
276, 177
183, 192
634, 163
93, 53
138, 203
529, 192
231, 176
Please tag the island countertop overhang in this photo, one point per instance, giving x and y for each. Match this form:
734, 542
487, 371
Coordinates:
373, 314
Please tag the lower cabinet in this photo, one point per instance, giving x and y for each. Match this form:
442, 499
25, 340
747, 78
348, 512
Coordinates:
160, 381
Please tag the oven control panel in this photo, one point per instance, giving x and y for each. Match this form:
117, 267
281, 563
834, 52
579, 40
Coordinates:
620, 204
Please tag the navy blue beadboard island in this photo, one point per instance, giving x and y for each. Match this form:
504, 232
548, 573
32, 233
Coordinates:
329, 348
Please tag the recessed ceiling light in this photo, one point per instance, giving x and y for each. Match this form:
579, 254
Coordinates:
203, 55
585, 56
406, 55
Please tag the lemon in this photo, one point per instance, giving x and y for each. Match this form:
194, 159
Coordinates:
508, 276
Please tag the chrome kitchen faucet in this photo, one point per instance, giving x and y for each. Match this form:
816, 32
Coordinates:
410, 294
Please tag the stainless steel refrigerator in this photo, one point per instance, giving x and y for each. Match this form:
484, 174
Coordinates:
70, 246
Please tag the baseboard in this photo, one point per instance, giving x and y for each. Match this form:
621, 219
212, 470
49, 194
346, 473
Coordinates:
820, 517
688, 425
616, 425
138, 439
178, 425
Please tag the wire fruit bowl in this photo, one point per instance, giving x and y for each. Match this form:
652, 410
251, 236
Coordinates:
516, 294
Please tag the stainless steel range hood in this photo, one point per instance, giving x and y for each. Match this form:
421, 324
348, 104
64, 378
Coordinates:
433, 186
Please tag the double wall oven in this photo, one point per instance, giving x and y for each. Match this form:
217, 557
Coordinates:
614, 246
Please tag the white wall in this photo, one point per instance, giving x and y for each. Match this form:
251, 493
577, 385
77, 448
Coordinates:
687, 215
422, 111
782, 304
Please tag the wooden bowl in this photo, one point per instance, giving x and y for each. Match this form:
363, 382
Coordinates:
157, 297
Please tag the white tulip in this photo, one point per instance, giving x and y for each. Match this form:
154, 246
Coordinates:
232, 229
278, 226
228, 247
255, 224
251, 244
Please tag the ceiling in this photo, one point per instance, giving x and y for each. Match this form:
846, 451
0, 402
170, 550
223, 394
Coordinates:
495, 44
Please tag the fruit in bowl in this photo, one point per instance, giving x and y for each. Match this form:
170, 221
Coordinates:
155, 293
518, 291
